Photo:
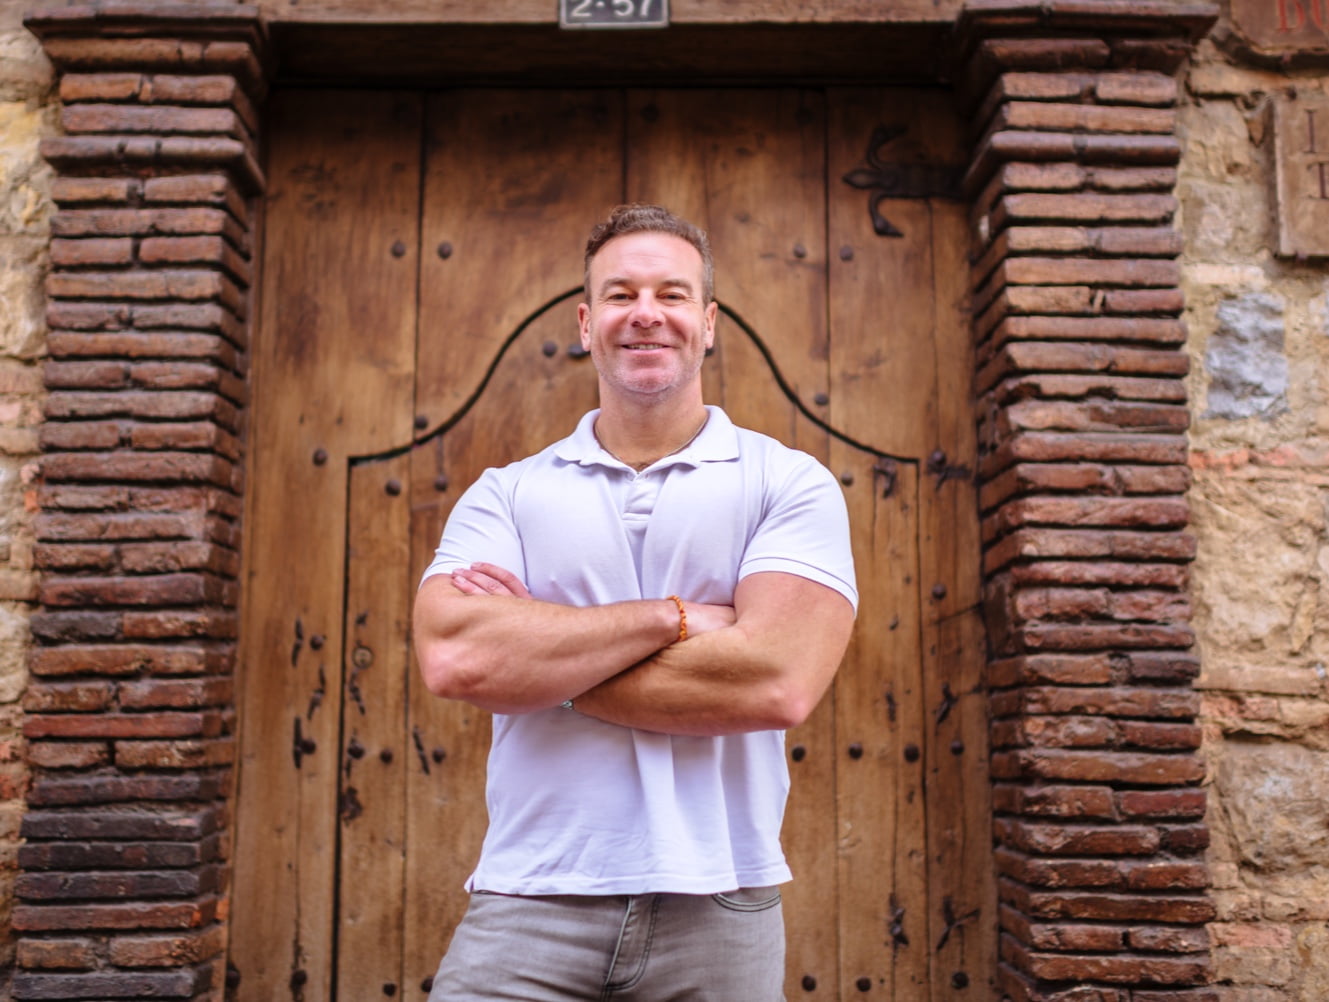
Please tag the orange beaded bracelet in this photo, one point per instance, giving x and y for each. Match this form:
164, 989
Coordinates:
682, 618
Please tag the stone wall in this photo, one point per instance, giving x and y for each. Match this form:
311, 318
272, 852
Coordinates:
27, 113
1259, 346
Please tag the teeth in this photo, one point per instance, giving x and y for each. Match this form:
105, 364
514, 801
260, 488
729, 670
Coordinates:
643, 347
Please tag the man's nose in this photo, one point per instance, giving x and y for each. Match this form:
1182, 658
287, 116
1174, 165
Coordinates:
646, 312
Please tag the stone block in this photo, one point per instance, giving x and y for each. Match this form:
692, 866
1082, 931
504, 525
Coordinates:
22, 301
1276, 799
1245, 359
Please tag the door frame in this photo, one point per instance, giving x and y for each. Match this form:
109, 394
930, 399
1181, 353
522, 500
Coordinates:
1098, 808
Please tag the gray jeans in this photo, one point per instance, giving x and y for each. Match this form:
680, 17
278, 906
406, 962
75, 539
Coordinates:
646, 948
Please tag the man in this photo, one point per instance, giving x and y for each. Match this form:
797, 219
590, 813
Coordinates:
645, 606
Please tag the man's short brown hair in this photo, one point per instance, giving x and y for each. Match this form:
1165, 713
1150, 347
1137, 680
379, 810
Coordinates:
639, 218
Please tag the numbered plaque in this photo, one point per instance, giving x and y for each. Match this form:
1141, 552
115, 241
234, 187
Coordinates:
613, 13
1301, 147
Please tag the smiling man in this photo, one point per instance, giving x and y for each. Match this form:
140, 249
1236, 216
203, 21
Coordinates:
644, 606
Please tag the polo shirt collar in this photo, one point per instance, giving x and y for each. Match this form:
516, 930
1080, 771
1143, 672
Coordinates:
718, 442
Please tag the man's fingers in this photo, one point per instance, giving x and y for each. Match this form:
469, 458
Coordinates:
488, 579
513, 584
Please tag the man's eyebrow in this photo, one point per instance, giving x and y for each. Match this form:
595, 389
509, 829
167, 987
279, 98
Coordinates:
613, 280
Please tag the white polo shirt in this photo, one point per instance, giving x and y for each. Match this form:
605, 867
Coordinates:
578, 806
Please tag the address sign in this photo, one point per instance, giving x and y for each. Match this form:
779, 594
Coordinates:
613, 13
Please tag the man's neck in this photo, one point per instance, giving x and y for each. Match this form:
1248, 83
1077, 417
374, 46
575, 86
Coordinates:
639, 435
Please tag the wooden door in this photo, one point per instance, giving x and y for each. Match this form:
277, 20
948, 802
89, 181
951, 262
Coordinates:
422, 263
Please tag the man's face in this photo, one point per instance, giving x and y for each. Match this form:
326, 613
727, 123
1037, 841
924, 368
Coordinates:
646, 326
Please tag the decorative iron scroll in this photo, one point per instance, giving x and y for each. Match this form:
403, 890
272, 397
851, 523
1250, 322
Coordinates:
898, 180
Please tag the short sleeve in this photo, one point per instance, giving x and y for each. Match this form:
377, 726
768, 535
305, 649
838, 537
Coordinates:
481, 527
805, 531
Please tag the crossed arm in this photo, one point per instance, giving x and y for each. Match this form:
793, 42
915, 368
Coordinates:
762, 664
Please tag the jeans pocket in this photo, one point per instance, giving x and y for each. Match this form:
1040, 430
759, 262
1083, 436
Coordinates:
749, 899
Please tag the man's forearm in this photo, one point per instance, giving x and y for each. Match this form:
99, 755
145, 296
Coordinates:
766, 672
515, 655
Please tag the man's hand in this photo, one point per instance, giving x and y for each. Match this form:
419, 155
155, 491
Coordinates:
488, 579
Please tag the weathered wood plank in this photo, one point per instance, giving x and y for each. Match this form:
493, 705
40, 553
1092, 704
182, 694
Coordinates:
337, 312
749, 167
882, 379
514, 182
377, 752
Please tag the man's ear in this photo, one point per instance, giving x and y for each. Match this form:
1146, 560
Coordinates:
712, 309
584, 325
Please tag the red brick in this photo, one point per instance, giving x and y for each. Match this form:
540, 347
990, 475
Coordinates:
1042, 544
171, 624
179, 375
136, 345
94, 251
1017, 987
1099, 766
159, 120
1115, 701
176, 436
116, 823
182, 467
65, 435
175, 283
1091, 389
99, 86
173, 754
1169, 939
102, 375
147, 222
1123, 447
83, 190
1052, 116
104, 985
1106, 572
88, 316
1071, 937
170, 405
1089, 207
66, 627
1077, 840
1192, 909
195, 250
1136, 88
1119, 968
68, 754
195, 189
80, 855
75, 527
1164, 875
1071, 802
1073, 511
1018, 357
119, 884
191, 317
1172, 737
1185, 838
75, 954
1093, 415
158, 558
67, 696
158, 589
1056, 732
74, 556
167, 951
1095, 636
118, 725
1180, 995
1161, 803
68, 791
175, 693
1041, 872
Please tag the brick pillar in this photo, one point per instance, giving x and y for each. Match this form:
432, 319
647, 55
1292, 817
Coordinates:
123, 877
1083, 414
